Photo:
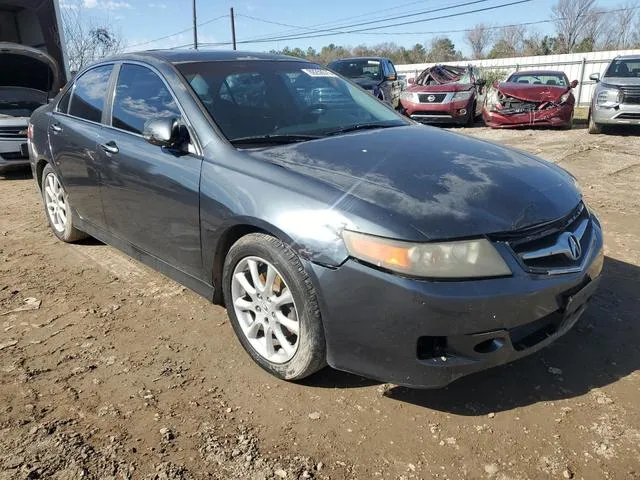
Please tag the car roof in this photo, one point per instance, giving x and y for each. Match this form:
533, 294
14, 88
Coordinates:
538, 72
349, 59
177, 56
628, 57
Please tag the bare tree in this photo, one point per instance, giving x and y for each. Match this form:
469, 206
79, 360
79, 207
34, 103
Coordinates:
623, 20
87, 39
479, 38
571, 18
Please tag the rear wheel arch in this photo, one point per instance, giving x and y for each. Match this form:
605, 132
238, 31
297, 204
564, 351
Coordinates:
40, 164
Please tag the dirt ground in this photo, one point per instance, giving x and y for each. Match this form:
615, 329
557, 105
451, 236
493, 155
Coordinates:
122, 373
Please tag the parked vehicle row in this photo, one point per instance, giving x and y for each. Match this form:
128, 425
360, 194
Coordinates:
335, 232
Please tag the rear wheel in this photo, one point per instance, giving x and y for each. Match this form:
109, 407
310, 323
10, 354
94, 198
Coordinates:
273, 307
56, 203
594, 127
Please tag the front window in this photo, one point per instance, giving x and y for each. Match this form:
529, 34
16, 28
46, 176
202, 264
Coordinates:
141, 96
552, 79
625, 68
359, 69
283, 99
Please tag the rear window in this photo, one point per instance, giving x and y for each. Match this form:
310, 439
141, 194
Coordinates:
89, 93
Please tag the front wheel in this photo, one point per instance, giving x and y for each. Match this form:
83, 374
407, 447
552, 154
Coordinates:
56, 203
273, 307
594, 128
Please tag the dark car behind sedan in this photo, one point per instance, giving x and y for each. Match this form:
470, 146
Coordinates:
332, 228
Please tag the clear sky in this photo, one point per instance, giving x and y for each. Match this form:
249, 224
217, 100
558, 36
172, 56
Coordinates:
140, 21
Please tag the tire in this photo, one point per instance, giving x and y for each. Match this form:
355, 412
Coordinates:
471, 118
252, 318
594, 128
64, 230
569, 125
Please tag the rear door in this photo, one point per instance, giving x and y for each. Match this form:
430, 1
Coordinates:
74, 134
150, 194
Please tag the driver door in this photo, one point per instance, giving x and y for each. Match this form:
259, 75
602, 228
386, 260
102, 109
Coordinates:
150, 194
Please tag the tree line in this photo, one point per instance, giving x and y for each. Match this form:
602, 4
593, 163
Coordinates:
579, 26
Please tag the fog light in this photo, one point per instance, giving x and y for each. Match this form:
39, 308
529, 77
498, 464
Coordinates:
462, 111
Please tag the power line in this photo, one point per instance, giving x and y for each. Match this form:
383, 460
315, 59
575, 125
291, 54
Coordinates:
207, 22
451, 15
496, 27
335, 23
397, 17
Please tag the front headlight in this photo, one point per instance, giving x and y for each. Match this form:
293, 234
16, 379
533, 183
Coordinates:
410, 97
609, 96
466, 95
460, 259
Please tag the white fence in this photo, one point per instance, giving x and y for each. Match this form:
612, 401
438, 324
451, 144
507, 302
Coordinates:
577, 66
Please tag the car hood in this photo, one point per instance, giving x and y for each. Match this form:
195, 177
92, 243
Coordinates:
446, 87
532, 93
622, 81
434, 183
28, 67
366, 83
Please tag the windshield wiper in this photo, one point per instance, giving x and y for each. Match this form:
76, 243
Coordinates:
362, 126
273, 139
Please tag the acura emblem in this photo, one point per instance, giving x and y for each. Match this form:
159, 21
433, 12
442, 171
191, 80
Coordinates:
575, 249
431, 98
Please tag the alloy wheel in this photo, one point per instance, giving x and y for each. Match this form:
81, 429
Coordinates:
265, 309
54, 198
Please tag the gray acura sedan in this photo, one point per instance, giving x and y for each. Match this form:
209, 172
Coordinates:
334, 230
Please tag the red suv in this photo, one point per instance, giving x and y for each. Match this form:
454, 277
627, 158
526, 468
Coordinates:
444, 94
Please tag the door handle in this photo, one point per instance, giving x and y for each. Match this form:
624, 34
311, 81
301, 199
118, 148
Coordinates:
110, 147
56, 128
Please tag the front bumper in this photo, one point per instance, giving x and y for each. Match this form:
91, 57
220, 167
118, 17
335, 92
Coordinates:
623, 114
559, 116
427, 334
451, 112
14, 154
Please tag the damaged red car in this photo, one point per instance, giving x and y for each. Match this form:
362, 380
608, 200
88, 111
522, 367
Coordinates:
531, 98
444, 94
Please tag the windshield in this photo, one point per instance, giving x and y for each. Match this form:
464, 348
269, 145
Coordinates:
283, 99
358, 69
629, 68
553, 79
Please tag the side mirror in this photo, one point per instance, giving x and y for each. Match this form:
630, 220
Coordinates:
574, 84
595, 77
162, 132
392, 78
411, 81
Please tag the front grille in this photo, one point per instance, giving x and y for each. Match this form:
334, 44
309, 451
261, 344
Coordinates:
560, 245
631, 95
435, 97
13, 132
629, 116
13, 156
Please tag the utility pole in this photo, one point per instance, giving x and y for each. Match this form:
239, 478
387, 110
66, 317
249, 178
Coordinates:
195, 27
233, 28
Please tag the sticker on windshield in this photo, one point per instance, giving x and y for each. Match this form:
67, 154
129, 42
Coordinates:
318, 72
373, 62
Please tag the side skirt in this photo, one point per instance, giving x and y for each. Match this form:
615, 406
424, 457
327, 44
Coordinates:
200, 287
